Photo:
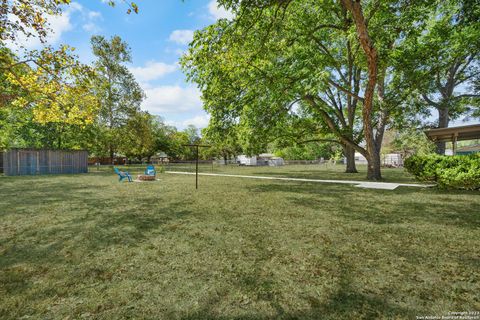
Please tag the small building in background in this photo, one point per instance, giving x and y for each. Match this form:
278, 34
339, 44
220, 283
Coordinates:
18, 162
389, 159
159, 158
263, 159
276, 162
244, 160
392, 160
269, 159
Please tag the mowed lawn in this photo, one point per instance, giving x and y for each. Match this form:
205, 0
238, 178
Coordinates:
314, 171
88, 247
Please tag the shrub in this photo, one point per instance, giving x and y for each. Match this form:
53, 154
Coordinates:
459, 172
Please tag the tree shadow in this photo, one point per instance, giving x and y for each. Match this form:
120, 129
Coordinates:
402, 205
345, 302
94, 232
322, 173
94, 223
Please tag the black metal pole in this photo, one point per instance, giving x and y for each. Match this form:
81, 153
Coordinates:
196, 170
197, 146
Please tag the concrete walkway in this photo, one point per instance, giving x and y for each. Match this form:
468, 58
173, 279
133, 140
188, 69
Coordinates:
359, 184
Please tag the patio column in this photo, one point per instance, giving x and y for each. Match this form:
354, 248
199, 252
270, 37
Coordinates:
454, 143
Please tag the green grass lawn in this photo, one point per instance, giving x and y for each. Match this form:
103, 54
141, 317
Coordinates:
317, 171
86, 246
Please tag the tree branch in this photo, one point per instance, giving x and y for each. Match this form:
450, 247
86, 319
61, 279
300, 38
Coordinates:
467, 96
348, 92
429, 101
331, 124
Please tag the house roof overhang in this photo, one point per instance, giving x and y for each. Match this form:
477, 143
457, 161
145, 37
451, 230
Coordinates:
449, 134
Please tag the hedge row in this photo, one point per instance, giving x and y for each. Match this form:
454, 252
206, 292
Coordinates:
458, 172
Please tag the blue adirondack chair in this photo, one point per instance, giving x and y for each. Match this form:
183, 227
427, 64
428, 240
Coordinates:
122, 175
150, 171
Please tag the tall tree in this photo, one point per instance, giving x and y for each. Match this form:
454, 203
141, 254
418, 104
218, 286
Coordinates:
224, 144
334, 59
138, 138
119, 93
444, 63
192, 133
50, 99
57, 89
48, 81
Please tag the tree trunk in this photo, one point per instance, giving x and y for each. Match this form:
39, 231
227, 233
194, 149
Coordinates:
373, 154
59, 132
443, 121
373, 171
350, 157
111, 155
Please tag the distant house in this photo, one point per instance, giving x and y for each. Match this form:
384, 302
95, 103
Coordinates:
159, 158
393, 160
390, 159
263, 159
269, 159
244, 160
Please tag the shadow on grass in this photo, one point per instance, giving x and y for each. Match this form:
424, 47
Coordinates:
383, 206
83, 218
321, 173
346, 302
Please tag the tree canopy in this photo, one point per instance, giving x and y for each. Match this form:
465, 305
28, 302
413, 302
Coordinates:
336, 62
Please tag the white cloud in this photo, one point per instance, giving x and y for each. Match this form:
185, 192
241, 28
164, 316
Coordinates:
172, 99
91, 17
152, 71
74, 6
198, 121
57, 25
218, 12
94, 15
181, 36
91, 27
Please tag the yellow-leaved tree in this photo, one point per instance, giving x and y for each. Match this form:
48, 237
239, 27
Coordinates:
51, 81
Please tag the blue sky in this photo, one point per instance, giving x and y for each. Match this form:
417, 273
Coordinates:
157, 35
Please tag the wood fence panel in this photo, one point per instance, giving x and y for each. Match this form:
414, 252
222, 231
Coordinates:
39, 161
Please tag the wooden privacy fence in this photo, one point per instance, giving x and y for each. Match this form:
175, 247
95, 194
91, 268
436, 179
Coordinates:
17, 162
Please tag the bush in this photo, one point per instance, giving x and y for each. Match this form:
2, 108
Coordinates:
459, 172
